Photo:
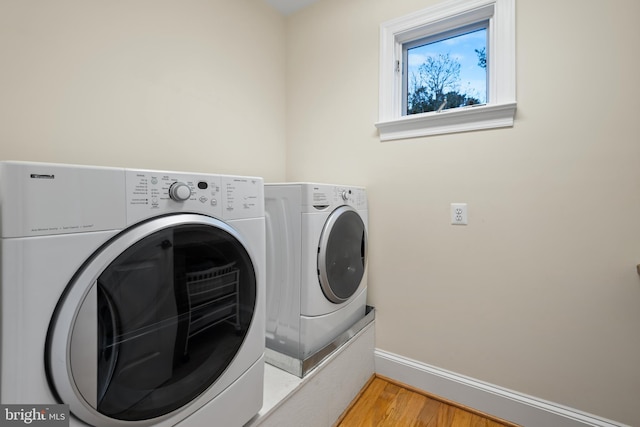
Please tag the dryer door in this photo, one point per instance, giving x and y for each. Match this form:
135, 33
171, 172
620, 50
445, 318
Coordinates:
342, 254
152, 320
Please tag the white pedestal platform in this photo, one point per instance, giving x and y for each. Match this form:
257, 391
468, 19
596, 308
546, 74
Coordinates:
320, 397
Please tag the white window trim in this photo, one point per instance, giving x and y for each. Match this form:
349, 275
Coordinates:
501, 108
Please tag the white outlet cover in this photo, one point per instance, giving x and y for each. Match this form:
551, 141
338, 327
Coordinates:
459, 215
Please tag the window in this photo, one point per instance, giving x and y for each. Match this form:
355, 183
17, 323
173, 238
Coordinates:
449, 68
444, 73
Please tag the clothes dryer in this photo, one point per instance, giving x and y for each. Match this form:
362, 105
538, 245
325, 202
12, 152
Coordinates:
316, 264
136, 297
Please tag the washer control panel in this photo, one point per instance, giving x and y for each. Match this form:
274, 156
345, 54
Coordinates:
151, 193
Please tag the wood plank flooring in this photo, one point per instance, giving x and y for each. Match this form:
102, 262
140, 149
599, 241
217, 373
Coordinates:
386, 403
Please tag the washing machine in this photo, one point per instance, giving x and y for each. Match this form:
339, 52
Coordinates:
135, 297
316, 264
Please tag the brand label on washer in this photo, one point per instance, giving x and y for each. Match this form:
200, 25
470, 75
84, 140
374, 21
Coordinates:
34, 415
320, 197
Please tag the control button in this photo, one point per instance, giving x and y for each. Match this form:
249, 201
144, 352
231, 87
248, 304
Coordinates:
345, 195
203, 185
214, 202
203, 199
179, 191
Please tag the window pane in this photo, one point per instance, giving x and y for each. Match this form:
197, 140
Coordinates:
447, 73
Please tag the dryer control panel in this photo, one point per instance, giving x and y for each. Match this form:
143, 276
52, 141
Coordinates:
326, 196
151, 193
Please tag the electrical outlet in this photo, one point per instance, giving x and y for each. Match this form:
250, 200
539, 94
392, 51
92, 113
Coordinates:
459, 214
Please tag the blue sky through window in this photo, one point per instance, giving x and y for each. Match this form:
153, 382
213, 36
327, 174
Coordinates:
473, 78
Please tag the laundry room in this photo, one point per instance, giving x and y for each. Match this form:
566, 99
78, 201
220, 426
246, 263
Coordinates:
529, 311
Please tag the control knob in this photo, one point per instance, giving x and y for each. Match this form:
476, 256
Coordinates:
179, 191
345, 195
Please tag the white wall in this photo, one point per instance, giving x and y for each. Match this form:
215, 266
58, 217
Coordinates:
539, 293
195, 85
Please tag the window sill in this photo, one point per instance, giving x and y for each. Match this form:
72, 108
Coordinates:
463, 119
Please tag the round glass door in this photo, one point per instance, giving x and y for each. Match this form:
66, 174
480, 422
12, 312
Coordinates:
342, 254
153, 319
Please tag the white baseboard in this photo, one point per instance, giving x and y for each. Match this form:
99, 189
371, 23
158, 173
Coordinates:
506, 404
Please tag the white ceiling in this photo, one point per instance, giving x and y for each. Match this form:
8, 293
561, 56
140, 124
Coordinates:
287, 7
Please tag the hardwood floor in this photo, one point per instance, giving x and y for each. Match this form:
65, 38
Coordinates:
386, 403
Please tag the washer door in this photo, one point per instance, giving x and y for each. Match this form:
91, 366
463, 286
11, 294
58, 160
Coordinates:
342, 254
151, 321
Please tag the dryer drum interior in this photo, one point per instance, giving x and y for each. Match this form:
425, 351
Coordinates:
152, 319
342, 254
